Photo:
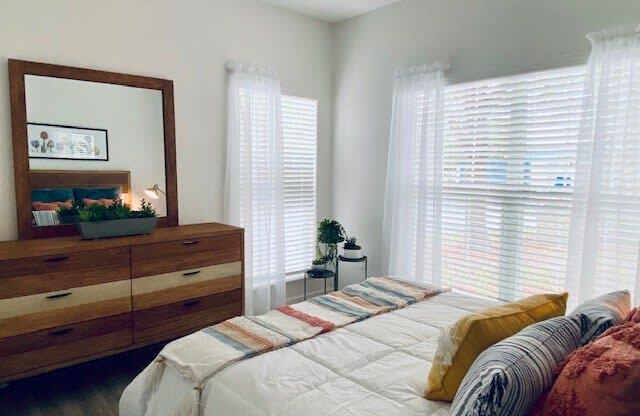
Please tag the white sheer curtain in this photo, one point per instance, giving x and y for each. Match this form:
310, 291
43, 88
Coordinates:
605, 230
412, 206
254, 183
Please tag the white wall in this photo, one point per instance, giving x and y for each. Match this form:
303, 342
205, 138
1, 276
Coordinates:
189, 43
480, 39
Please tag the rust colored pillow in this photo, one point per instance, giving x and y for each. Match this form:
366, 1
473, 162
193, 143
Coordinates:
601, 378
106, 202
51, 206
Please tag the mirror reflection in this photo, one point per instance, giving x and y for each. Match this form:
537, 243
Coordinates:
85, 141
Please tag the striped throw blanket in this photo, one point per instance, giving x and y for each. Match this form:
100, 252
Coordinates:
201, 355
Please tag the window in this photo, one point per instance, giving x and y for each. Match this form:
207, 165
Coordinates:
509, 157
300, 136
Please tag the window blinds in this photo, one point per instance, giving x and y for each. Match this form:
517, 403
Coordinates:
300, 136
509, 158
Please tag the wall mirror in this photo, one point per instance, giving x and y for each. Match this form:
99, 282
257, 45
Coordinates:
83, 136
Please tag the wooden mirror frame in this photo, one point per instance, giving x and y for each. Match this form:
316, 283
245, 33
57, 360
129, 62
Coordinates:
17, 71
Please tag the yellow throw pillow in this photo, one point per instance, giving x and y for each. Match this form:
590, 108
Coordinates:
461, 344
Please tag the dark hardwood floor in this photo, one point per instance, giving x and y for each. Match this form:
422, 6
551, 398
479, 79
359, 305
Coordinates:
92, 388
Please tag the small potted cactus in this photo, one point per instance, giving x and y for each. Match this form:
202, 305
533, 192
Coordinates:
351, 249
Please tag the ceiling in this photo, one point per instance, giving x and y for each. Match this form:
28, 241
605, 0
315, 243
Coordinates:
331, 10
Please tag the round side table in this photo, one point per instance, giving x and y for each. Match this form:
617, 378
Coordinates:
317, 274
349, 260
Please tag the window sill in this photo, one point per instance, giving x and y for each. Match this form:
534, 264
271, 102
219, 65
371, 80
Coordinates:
292, 277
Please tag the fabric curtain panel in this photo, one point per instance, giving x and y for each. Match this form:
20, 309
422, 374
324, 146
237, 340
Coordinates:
411, 224
605, 229
254, 182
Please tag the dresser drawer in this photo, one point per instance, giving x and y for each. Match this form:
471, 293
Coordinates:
178, 319
31, 313
150, 259
152, 291
56, 345
27, 276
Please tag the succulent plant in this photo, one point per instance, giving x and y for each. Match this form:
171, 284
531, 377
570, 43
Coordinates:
351, 244
117, 211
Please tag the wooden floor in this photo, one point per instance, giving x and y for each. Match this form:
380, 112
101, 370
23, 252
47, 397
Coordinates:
92, 388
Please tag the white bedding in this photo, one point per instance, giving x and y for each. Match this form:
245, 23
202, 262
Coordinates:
375, 367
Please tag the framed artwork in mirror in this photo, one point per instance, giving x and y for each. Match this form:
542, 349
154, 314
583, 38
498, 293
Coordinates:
53, 141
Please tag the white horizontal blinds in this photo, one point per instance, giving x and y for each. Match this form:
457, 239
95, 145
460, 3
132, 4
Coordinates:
508, 170
300, 134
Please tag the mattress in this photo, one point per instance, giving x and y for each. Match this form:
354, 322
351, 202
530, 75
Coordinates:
374, 367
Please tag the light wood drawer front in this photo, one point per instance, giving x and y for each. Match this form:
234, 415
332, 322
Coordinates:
27, 276
56, 345
151, 259
36, 312
152, 291
182, 318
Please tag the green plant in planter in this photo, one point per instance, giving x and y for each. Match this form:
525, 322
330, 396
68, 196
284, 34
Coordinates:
117, 211
330, 233
146, 210
68, 215
319, 261
350, 243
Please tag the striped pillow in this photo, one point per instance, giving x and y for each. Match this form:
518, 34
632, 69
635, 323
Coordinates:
508, 377
602, 313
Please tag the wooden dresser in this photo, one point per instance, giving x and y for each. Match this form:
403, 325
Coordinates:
67, 300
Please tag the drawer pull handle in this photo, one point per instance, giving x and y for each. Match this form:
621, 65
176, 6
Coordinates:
190, 242
59, 332
193, 273
191, 303
58, 295
56, 259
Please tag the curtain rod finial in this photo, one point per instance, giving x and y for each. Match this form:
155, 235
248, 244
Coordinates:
231, 66
420, 69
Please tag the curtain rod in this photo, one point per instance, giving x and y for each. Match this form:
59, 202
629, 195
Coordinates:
234, 66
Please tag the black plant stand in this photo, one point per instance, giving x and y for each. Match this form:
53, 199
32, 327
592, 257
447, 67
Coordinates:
317, 274
349, 260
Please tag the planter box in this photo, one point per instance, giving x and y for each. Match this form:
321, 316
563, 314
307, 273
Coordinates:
117, 228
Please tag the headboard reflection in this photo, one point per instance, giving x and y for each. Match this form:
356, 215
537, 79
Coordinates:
48, 179
64, 185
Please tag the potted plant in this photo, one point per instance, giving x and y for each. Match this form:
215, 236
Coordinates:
117, 220
330, 233
69, 215
351, 249
319, 263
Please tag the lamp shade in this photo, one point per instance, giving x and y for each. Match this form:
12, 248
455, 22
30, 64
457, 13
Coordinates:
154, 192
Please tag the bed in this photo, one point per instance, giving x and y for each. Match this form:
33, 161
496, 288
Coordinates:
374, 367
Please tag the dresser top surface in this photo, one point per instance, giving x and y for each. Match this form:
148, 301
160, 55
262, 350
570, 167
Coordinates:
51, 246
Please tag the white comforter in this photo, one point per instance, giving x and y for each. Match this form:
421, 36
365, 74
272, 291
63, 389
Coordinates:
375, 367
